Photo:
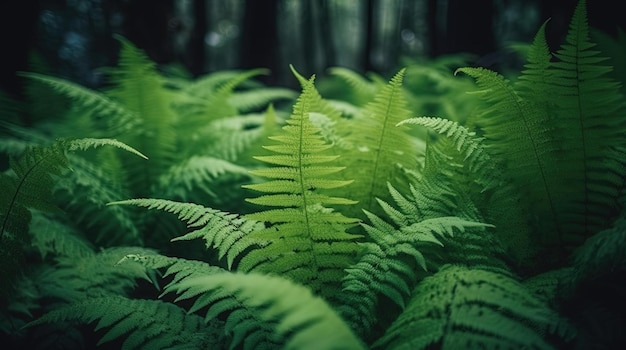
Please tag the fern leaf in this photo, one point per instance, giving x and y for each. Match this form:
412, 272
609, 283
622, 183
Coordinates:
303, 234
198, 176
138, 86
389, 264
590, 111
299, 320
52, 237
469, 308
83, 192
361, 90
468, 144
254, 99
227, 233
143, 324
93, 275
110, 115
381, 148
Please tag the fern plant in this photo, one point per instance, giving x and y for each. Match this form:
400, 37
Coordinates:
371, 228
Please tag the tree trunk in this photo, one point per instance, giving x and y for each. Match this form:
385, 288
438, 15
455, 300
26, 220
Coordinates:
259, 43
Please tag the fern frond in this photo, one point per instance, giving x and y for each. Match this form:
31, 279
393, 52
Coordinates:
518, 131
227, 233
308, 241
93, 275
143, 324
138, 86
52, 237
83, 193
603, 252
590, 108
381, 148
391, 263
460, 308
361, 92
298, 319
198, 176
109, 115
255, 99
468, 144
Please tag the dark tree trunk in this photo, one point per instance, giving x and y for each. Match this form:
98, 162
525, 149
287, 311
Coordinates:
17, 31
469, 27
432, 25
147, 25
196, 42
369, 36
259, 41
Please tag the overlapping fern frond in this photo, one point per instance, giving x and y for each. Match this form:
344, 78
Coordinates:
391, 264
107, 117
380, 148
225, 232
259, 311
461, 308
29, 185
142, 324
559, 130
136, 84
308, 240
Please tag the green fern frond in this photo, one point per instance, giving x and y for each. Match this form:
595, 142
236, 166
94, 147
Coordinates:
298, 319
380, 148
94, 275
391, 263
142, 324
460, 308
255, 99
109, 115
308, 241
83, 193
518, 132
361, 92
590, 108
603, 252
50, 236
468, 144
198, 176
225, 232
534, 81
136, 84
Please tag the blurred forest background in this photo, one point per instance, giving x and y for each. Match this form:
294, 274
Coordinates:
74, 38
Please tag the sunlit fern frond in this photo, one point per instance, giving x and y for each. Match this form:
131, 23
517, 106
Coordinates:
307, 239
225, 232
141, 324
461, 308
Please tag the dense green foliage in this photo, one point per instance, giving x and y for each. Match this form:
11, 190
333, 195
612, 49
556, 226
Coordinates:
233, 215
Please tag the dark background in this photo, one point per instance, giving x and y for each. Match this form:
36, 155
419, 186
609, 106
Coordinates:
74, 38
